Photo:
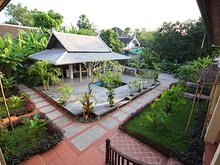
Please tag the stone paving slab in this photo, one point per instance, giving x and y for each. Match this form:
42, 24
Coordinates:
87, 138
34, 96
37, 99
136, 104
72, 129
47, 109
61, 122
129, 109
120, 116
30, 92
109, 123
41, 104
53, 115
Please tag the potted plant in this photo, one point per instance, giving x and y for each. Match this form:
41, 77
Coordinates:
65, 92
111, 96
88, 103
131, 88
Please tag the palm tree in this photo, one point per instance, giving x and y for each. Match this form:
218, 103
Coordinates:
45, 71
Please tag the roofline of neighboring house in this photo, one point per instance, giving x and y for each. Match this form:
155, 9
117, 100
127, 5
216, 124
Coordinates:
3, 4
20, 26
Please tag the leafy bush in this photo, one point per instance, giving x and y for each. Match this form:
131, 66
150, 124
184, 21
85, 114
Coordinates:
65, 92
28, 144
9, 83
15, 102
170, 98
111, 79
28, 107
147, 59
111, 96
189, 72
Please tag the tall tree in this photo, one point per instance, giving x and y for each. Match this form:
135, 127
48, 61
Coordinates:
111, 39
181, 42
145, 37
48, 20
127, 31
83, 22
19, 15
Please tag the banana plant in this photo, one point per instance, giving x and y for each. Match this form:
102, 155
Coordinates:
45, 71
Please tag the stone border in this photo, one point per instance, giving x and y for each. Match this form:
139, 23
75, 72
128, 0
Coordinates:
111, 109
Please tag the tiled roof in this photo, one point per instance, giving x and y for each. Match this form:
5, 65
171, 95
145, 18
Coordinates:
79, 43
126, 40
62, 57
13, 29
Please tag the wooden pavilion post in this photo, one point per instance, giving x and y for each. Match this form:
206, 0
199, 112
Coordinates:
80, 72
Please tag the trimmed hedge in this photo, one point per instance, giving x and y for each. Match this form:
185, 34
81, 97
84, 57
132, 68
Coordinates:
194, 155
55, 136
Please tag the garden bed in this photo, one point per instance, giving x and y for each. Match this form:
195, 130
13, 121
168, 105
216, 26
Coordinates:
170, 140
26, 106
26, 141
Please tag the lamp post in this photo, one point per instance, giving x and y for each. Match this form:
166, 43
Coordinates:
6, 106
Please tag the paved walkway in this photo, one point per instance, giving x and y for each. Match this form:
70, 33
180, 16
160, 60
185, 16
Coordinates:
84, 144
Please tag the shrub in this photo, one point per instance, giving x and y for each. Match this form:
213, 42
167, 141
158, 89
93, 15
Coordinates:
111, 96
53, 136
65, 92
189, 72
111, 79
28, 107
170, 98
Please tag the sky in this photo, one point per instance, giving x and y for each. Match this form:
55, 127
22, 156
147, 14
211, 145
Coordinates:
149, 14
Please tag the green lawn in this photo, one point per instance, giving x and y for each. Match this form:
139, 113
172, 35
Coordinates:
20, 140
173, 135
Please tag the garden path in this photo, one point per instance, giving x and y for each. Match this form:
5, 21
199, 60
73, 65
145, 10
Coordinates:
84, 144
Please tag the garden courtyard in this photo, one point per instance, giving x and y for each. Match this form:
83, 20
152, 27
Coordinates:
74, 106
84, 143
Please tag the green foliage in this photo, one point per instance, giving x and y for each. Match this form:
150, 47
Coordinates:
145, 37
135, 85
15, 102
171, 98
111, 79
189, 72
14, 51
65, 92
19, 14
45, 71
9, 83
36, 122
88, 103
173, 135
111, 39
147, 59
47, 20
83, 22
181, 42
111, 96
23, 143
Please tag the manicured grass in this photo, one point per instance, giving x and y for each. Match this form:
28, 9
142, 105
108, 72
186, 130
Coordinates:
173, 134
21, 139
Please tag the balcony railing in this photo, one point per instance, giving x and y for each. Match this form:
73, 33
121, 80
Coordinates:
115, 157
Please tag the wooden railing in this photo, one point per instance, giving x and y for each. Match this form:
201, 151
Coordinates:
115, 157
